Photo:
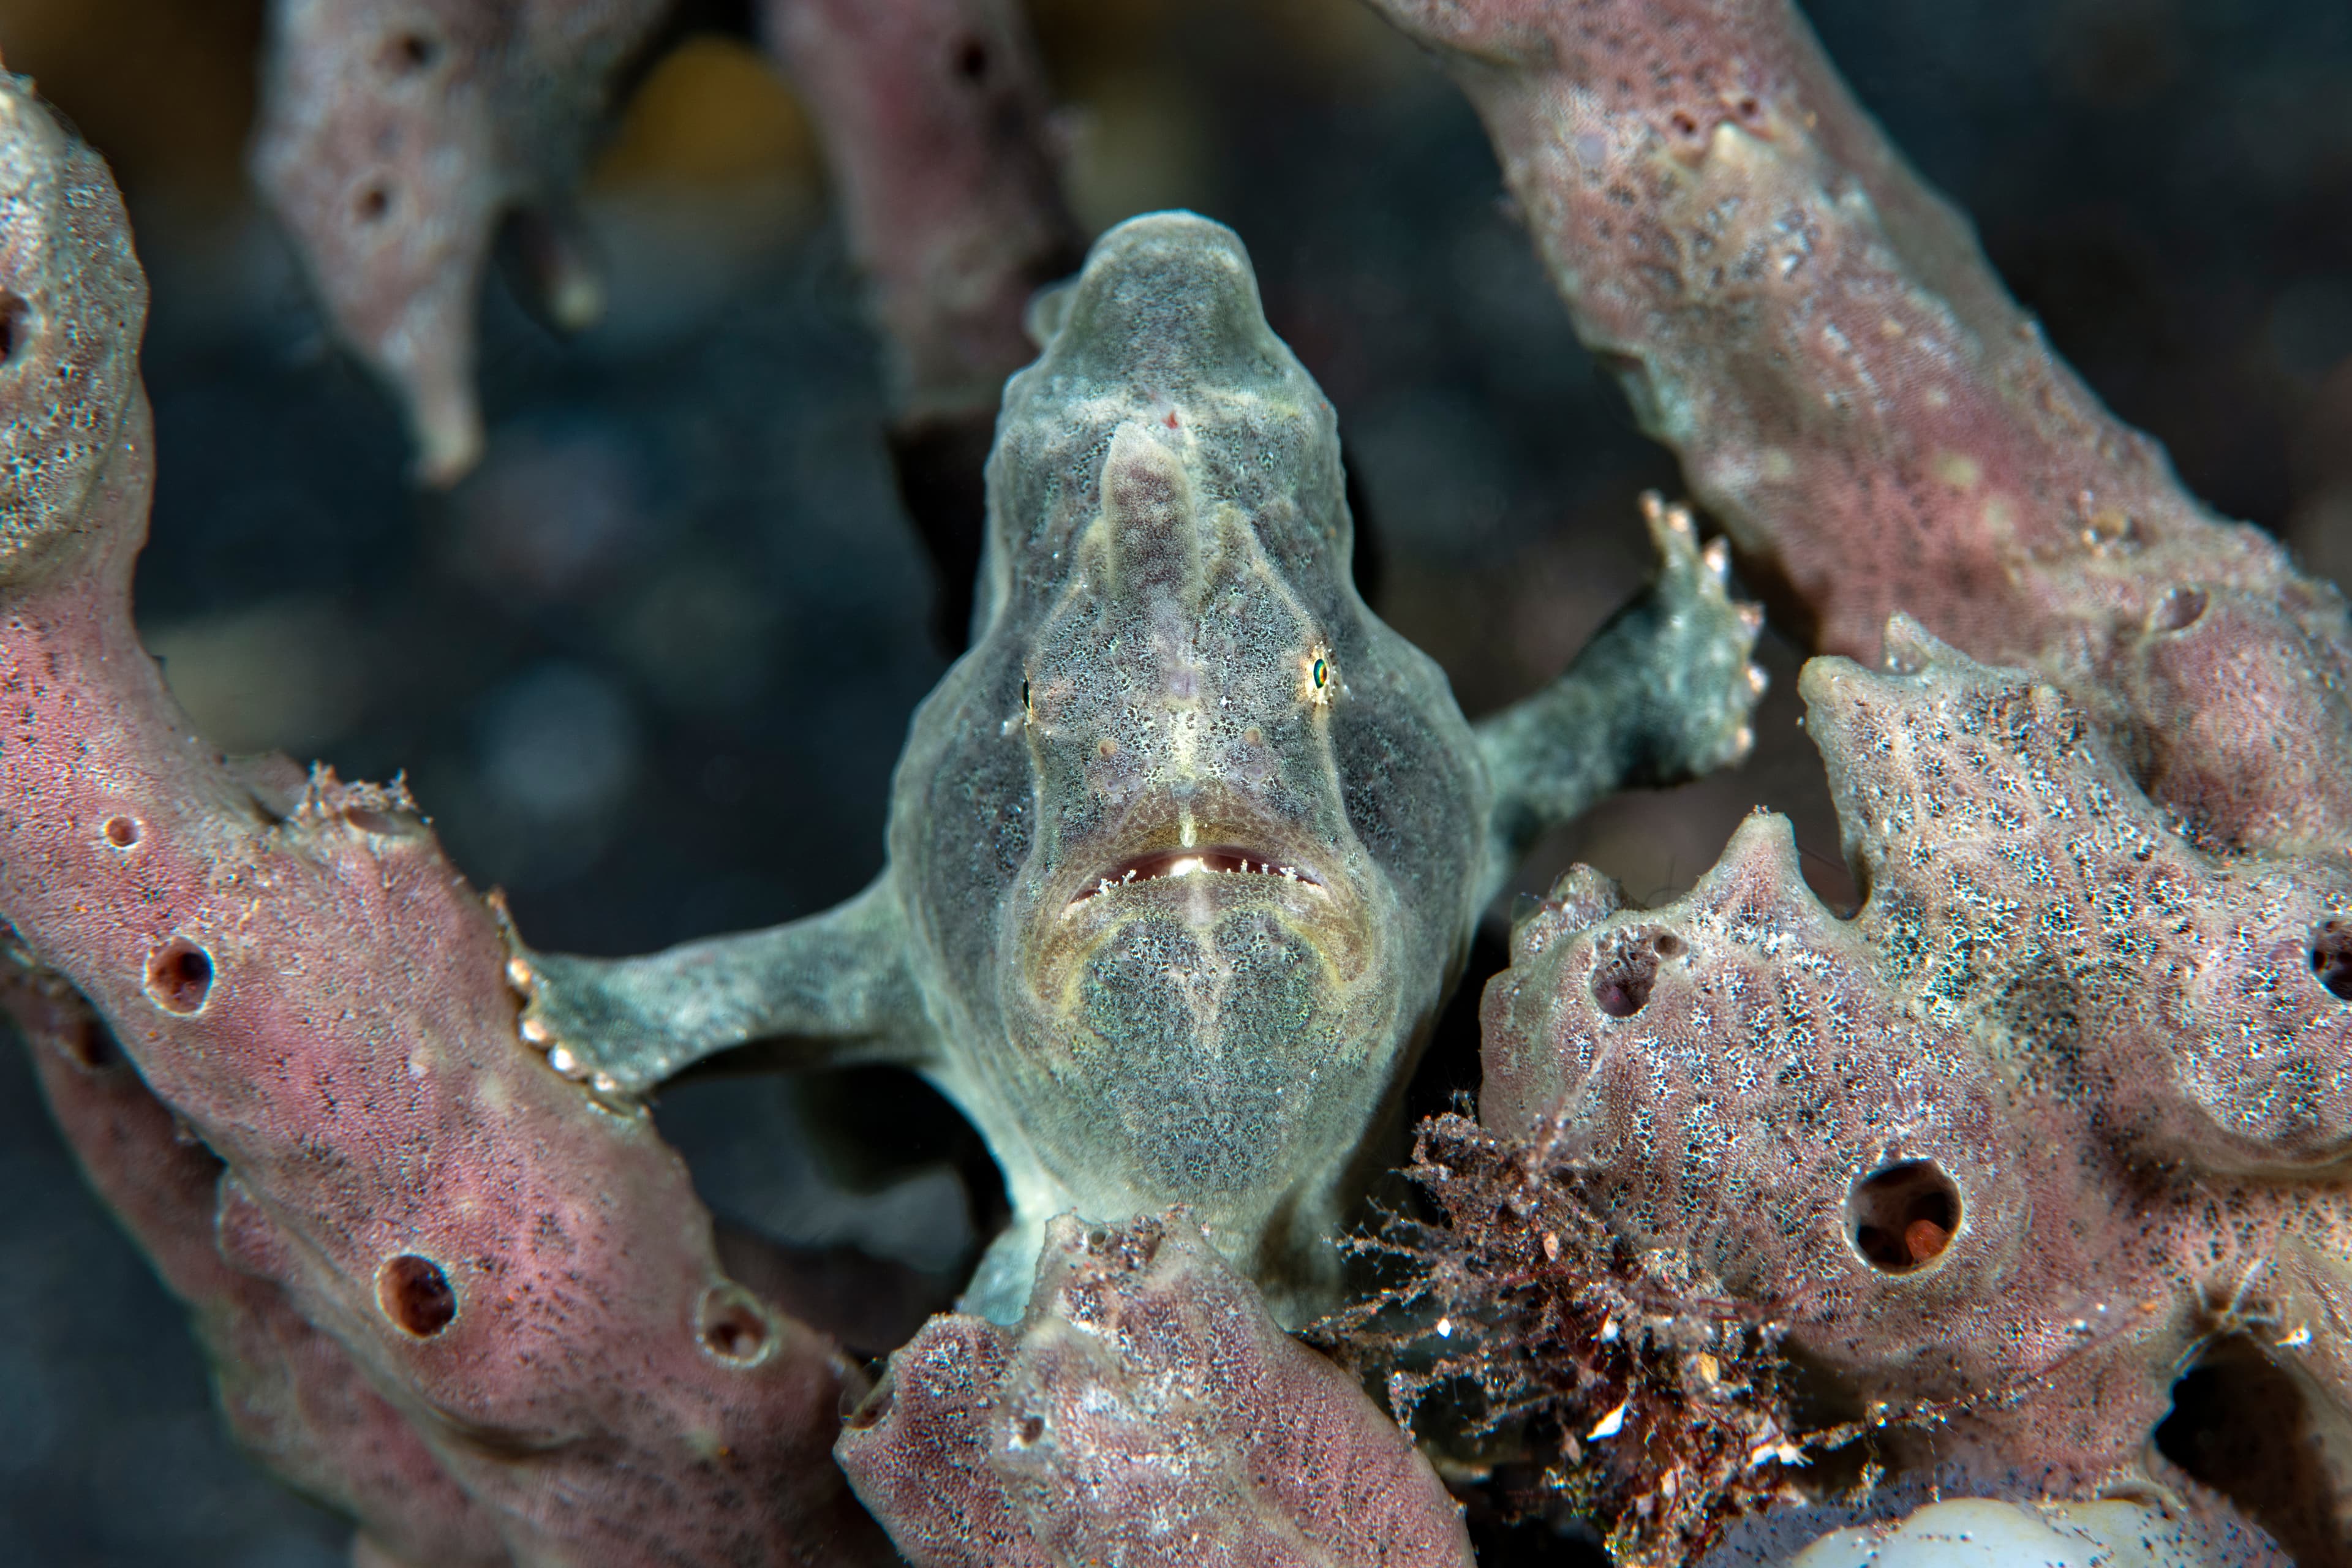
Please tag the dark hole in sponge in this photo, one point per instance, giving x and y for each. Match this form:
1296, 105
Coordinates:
415, 1295
383, 824
122, 832
1902, 1217
971, 60
15, 326
406, 53
374, 204
1621, 981
2331, 958
89, 1043
875, 1407
180, 976
732, 1328
2180, 609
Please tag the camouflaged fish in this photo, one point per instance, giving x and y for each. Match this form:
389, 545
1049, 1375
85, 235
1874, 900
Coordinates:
1186, 852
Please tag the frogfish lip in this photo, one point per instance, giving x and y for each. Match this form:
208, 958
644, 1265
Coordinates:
1240, 861
1224, 859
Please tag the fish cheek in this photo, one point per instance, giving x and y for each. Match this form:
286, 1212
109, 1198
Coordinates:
1409, 802
977, 829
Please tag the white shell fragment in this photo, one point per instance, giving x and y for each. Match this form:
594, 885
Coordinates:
1984, 1532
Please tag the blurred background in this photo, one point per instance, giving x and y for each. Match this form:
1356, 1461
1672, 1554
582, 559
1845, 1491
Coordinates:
648, 668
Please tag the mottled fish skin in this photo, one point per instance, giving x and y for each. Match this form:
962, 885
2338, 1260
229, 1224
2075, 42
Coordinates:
1186, 852
1191, 842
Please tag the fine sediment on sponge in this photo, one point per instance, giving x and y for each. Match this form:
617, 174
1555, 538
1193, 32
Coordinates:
292, 1397
1147, 1411
2062, 1103
1816, 334
425, 1233
72, 305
